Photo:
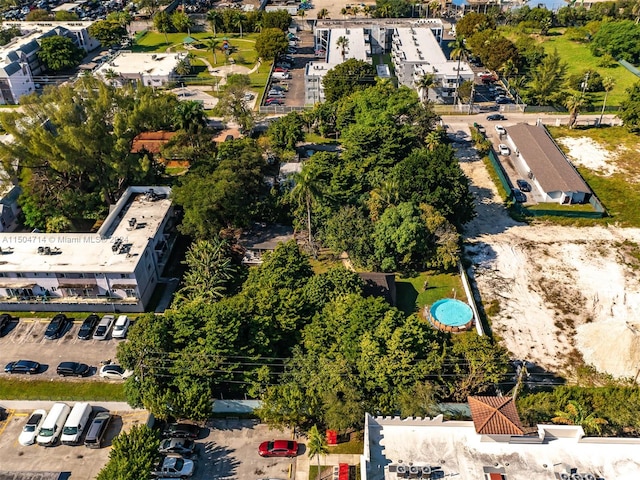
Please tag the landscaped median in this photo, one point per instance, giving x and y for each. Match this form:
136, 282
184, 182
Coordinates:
54, 390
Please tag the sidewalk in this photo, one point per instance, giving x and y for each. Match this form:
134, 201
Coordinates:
303, 462
29, 405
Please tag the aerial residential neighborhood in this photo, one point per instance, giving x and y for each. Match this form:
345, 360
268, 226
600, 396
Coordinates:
269, 240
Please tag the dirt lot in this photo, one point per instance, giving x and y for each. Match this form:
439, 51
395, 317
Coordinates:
81, 462
558, 295
24, 339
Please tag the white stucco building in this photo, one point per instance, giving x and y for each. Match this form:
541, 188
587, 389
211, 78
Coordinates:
150, 69
115, 269
19, 60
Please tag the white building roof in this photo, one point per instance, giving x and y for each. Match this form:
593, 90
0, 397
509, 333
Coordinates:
420, 46
151, 64
457, 451
356, 47
91, 252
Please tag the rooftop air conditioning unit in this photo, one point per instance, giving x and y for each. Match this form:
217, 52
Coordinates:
414, 471
402, 469
576, 476
426, 470
589, 476
565, 476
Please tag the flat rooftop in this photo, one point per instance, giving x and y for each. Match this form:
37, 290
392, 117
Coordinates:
91, 252
356, 47
128, 63
457, 451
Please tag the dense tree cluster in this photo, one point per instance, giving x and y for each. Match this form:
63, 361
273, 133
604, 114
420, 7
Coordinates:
59, 53
71, 147
232, 20
620, 39
132, 455
310, 345
390, 199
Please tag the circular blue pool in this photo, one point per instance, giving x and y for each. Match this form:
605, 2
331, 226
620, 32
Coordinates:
451, 315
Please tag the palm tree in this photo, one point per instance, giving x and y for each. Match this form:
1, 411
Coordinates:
343, 12
424, 83
306, 193
302, 13
110, 75
575, 414
212, 44
238, 23
355, 11
434, 139
183, 67
434, 8
323, 13
635, 11
574, 103
213, 17
459, 50
189, 116
607, 83
343, 43
367, 10
317, 445
385, 11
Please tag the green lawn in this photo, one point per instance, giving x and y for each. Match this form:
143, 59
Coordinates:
13, 389
579, 58
618, 195
412, 295
350, 447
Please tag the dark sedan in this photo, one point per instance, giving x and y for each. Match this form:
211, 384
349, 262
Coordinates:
495, 117
56, 327
88, 326
22, 366
72, 369
181, 446
182, 430
523, 185
5, 320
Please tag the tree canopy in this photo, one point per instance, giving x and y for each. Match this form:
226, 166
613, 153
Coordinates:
59, 53
72, 147
107, 32
346, 78
630, 109
620, 39
270, 43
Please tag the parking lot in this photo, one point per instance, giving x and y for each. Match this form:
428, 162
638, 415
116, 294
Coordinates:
24, 339
79, 461
226, 449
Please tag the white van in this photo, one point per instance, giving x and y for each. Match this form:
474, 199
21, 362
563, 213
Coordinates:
281, 75
52, 426
120, 327
76, 423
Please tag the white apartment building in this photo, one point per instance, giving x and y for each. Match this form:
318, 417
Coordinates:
357, 45
416, 51
150, 69
19, 60
115, 269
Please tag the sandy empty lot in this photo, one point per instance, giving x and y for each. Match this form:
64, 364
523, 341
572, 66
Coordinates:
557, 294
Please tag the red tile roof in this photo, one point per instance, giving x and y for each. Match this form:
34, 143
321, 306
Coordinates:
495, 416
151, 142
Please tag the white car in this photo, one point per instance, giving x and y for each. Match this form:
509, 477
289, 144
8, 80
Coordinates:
115, 372
120, 327
501, 130
504, 150
32, 428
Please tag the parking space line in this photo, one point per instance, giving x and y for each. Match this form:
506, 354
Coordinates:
6, 422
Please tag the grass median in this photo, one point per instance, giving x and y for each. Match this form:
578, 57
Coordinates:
17, 389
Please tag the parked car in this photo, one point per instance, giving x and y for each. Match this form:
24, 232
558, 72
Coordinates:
495, 117
275, 94
121, 327
519, 196
503, 100
22, 366
523, 185
504, 150
174, 467
97, 430
114, 372
181, 446
72, 369
287, 58
281, 75
281, 69
248, 97
279, 88
273, 101
284, 64
57, 326
291, 49
501, 130
181, 430
5, 320
32, 427
88, 326
102, 331
278, 448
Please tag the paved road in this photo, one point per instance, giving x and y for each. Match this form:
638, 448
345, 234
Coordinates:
454, 121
